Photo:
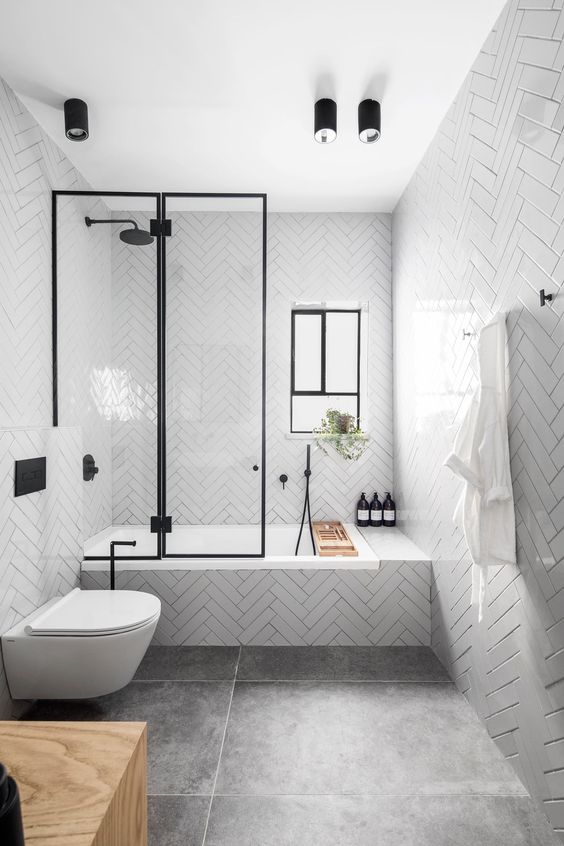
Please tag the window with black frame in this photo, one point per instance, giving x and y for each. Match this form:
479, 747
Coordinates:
325, 369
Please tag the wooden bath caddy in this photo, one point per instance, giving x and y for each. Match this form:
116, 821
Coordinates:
331, 538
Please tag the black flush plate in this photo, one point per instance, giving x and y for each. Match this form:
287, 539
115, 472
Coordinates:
31, 475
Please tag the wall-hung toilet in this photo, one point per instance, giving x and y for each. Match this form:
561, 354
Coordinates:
87, 643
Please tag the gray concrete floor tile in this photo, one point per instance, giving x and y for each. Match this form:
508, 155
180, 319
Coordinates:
340, 663
183, 663
319, 737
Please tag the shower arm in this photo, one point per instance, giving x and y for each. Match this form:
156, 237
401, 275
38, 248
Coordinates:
89, 221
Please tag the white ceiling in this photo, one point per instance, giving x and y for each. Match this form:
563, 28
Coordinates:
217, 95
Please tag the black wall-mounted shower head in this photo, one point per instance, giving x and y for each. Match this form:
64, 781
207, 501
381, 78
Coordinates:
135, 236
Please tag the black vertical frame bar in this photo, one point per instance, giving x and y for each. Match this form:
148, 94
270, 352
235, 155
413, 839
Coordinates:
324, 352
263, 361
358, 356
54, 310
55, 327
160, 385
161, 423
162, 369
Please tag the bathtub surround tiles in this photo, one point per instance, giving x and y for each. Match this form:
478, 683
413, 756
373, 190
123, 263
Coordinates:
478, 230
329, 739
387, 606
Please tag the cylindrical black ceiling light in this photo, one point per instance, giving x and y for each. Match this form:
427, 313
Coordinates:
76, 120
369, 121
325, 121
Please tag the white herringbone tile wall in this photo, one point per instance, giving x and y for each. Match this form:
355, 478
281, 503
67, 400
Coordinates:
318, 257
386, 607
30, 166
480, 229
213, 365
213, 380
84, 332
132, 387
40, 534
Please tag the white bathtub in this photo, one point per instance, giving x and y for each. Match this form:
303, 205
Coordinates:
224, 540
380, 597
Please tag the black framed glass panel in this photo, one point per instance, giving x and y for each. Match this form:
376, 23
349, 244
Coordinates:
105, 360
214, 277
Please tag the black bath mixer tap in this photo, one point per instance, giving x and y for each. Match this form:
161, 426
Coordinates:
113, 561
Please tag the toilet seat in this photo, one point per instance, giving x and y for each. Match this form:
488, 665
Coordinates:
93, 613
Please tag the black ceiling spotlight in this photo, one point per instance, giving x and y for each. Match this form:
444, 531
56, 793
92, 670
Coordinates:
369, 121
76, 119
325, 121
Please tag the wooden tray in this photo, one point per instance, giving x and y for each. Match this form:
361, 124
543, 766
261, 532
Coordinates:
331, 538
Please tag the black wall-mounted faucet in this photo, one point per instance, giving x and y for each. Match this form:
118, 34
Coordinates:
113, 559
283, 478
89, 468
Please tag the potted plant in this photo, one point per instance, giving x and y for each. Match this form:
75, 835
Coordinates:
342, 432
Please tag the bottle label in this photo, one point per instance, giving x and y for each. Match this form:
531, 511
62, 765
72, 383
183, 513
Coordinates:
376, 515
389, 514
363, 514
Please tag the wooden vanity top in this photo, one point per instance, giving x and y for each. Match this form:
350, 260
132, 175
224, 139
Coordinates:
81, 784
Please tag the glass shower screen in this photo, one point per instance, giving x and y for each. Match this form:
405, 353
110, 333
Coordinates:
105, 360
214, 292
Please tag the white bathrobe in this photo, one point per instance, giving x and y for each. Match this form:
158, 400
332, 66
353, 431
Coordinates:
481, 457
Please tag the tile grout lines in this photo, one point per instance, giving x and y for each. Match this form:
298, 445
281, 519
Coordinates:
221, 748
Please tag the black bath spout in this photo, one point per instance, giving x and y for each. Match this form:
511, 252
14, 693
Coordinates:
113, 544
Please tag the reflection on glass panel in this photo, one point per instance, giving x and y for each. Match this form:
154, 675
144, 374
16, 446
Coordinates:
214, 376
342, 351
107, 371
307, 412
307, 352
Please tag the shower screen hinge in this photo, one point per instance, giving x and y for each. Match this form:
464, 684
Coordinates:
161, 227
161, 524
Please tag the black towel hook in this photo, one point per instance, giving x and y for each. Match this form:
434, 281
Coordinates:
545, 298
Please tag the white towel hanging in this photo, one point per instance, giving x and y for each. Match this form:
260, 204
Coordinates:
481, 457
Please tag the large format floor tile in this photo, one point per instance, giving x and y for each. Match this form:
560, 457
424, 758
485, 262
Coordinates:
184, 663
340, 663
319, 737
177, 820
186, 721
382, 820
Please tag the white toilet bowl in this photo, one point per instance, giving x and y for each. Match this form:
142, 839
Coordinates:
87, 643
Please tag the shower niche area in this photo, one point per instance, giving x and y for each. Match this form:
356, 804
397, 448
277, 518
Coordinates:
159, 358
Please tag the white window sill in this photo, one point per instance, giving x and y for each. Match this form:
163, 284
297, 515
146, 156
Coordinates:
309, 436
